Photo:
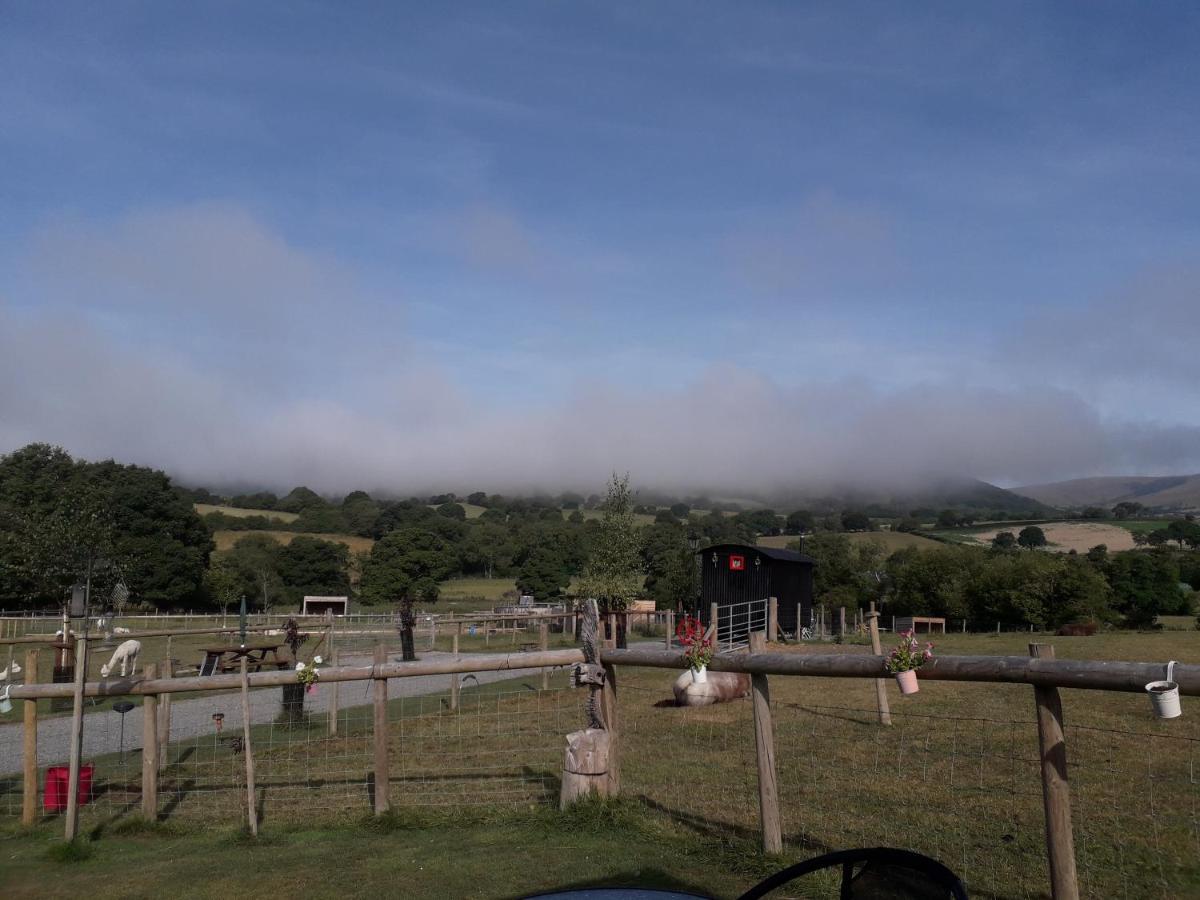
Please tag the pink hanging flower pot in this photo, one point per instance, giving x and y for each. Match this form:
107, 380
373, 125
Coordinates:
904, 661
907, 681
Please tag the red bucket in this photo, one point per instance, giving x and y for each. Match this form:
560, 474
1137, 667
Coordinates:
58, 781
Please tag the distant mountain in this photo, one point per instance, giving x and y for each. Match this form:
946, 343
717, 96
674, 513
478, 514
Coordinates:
1163, 492
966, 495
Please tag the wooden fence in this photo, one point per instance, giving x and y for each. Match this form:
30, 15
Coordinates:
1045, 674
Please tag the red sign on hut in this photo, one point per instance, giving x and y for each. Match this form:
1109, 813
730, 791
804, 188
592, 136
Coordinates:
737, 563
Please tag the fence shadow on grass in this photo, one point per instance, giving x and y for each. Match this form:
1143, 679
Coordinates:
656, 879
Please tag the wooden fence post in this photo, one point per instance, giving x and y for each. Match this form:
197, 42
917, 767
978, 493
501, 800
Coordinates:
455, 679
1056, 793
29, 797
773, 619
76, 749
248, 752
333, 697
885, 714
164, 718
841, 620
764, 745
381, 733
150, 748
670, 627
544, 644
608, 712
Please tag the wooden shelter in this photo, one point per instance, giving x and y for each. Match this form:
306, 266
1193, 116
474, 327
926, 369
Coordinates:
734, 574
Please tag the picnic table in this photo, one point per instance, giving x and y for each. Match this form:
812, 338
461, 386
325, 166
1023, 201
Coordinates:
229, 659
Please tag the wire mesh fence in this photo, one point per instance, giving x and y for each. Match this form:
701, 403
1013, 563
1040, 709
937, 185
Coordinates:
956, 776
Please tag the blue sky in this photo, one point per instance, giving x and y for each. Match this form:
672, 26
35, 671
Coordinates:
394, 245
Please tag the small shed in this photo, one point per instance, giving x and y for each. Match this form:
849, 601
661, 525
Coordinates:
319, 606
733, 574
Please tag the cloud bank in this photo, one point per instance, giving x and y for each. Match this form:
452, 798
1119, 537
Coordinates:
200, 341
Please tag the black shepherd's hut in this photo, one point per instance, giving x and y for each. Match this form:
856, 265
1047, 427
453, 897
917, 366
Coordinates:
733, 574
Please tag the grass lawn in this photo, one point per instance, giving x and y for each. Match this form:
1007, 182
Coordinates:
226, 539
491, 589
474, 793
238, 512
471, 855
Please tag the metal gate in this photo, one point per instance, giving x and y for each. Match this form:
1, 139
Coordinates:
736, 621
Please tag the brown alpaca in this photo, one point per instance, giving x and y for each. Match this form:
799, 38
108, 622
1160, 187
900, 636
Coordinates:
719, 688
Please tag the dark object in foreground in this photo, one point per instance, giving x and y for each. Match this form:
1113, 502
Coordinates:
876, 873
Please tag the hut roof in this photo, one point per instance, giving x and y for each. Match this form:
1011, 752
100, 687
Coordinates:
769, 552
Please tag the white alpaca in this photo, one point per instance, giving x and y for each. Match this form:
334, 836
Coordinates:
121, 629
126, 654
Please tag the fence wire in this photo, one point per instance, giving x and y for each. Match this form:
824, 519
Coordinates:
956, 776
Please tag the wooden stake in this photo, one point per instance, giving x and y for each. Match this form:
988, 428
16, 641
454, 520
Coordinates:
544, 644
333, 698
764, 745
29, 797
881, 699
164, 718
714, 614
251, 792
773, 619
455, 679
150, 749
76, 750
841, 620
1056, 793
381, 735
670, 627
608, 712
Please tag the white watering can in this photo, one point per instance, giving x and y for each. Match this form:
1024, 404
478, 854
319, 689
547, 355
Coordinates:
1164, 695
5, 703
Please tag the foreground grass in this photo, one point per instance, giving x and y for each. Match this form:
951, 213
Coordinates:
474, 854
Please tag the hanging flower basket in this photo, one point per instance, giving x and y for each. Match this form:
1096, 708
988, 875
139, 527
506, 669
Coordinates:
905, 659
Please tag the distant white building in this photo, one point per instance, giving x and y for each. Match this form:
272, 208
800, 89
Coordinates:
319, 606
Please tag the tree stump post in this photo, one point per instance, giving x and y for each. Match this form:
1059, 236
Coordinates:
585, 770
773, 619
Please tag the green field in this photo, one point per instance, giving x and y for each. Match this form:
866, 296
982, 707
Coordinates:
491, 589
238, 512
891, 540
226, 539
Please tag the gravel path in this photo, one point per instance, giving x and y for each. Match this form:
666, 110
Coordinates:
189, 718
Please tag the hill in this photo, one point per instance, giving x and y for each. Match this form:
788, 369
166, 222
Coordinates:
1158, 492
964, 494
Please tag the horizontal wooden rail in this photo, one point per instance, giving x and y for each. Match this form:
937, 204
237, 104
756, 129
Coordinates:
1089, 674
133, 635
1101, 675
448, 666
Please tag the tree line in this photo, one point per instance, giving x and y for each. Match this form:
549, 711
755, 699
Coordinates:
1006, 583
